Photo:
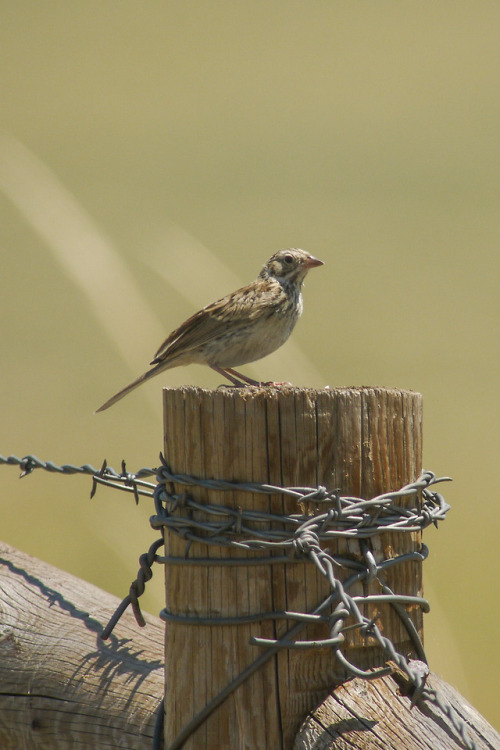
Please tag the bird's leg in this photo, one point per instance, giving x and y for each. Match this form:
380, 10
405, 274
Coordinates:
225, 374
241, 377
239, 380
235, 377
248, 380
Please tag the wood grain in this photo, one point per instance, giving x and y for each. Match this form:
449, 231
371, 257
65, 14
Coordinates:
61, 686
376, 716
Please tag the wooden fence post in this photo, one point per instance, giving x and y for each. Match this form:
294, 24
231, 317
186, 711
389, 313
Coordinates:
363, 441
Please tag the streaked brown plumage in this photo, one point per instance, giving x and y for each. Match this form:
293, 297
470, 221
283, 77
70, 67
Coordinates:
242, 327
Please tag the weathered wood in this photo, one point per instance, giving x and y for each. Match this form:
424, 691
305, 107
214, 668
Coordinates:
363, 441
61, 686
377, 716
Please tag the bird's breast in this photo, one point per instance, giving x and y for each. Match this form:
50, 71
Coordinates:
255, 338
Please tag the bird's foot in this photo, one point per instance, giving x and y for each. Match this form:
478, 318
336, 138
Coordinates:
277, 383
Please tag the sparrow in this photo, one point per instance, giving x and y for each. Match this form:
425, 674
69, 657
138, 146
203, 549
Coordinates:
240, 328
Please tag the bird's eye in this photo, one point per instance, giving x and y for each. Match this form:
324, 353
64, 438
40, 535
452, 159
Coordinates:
288, 259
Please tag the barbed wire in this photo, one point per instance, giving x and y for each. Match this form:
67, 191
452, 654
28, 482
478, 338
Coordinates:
301, 537
29, 463
329, 516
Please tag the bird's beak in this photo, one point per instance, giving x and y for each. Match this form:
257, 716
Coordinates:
312, 262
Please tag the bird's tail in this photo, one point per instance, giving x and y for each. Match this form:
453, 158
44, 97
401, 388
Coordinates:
130, 387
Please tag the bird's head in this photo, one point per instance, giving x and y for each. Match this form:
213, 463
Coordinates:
291, 264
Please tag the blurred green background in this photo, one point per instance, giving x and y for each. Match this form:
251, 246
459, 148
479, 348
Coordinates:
154, 155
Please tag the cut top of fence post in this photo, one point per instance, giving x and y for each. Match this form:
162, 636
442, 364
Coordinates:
362, 441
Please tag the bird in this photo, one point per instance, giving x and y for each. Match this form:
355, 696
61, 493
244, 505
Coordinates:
240, 328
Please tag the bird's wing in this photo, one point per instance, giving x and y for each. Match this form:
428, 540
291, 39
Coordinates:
212, 321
